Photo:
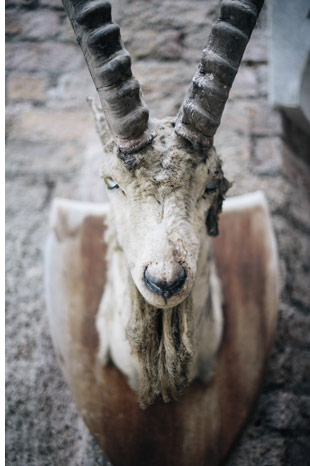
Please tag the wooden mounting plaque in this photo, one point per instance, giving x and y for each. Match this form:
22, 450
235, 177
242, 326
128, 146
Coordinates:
201, 427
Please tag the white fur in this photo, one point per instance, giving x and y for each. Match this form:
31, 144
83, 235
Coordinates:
115, 308
158, 215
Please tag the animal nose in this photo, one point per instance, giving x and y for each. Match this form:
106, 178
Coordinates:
165, 279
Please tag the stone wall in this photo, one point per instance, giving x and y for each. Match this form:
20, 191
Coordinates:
52, 149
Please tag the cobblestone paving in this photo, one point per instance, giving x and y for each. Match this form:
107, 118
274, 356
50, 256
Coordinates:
53, 150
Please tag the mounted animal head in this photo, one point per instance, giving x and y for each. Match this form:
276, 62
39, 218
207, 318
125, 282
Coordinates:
164, 178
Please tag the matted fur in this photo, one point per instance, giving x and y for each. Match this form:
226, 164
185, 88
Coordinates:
159, 213
164, 342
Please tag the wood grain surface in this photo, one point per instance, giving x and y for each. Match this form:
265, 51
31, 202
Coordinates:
202, 426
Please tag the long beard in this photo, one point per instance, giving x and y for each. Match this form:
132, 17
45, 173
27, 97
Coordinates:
163, 341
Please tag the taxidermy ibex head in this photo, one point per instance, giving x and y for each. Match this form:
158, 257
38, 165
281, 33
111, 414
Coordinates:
160, 319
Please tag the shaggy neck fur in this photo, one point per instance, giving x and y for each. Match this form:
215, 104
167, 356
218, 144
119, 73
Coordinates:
166, 202
159, 350
164, 342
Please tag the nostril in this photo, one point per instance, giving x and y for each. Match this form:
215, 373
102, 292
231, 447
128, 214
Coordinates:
164, 279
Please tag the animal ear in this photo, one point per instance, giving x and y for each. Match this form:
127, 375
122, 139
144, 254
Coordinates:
216, 208
101, 122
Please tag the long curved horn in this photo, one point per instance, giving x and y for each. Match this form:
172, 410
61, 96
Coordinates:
110, 67
201, 111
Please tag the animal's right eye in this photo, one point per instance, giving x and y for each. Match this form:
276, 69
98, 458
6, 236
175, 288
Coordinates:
111, 184
211, 186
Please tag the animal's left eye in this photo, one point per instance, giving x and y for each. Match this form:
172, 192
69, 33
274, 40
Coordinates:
212, 185
110, 183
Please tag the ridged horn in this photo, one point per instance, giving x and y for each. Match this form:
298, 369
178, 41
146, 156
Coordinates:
202, 108
110, 67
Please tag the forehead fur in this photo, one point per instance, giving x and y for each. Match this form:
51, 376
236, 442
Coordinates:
167, 159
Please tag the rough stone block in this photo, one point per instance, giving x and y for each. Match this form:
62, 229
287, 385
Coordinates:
25, 86
66, 33
194, 41
42, 25
294, 244
304, 403
237, 116
143, 44
295, 168
26, 4
296, 326
12, 26
281, 410
268, 155
292, 241
49, 56
298, 288
279, 370
234, 150
265, 450
164, 85
35, 158
300, 208
298, 450
168, 14
36, 124
163, 77
73, 87
166, 45
300, 365
10, 117
257, 50
245, 84
299, 329
262, 79
52, 3
265, 121
170, 45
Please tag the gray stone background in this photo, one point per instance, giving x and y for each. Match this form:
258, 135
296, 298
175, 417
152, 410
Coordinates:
53, 150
